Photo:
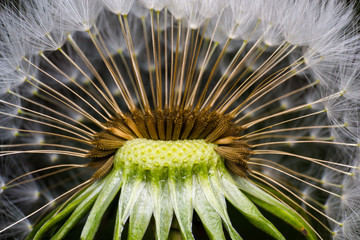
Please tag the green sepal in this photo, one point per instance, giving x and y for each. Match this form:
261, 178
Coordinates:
54, 219
277, 208
35, 229
78, 213
213, 192
163, 210
246, 207
107, 194
208, 215
133, 184
180, 181
140, 215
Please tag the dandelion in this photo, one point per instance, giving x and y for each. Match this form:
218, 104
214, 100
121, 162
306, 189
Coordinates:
159, 117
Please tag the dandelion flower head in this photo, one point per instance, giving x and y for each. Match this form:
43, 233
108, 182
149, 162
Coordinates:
179, 118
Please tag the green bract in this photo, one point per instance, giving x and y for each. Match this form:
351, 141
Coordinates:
159, 178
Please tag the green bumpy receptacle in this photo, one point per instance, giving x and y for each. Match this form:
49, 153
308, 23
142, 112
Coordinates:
163, 178
156, 155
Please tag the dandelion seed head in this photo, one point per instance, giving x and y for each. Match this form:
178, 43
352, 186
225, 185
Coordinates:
173, 110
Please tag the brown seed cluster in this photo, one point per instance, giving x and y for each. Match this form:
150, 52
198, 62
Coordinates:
171, 125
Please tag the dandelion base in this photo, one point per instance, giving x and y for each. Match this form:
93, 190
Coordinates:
160, 178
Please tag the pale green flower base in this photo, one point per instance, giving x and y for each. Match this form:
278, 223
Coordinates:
159, 178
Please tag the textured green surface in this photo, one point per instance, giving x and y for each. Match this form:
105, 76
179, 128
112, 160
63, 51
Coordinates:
152, 155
